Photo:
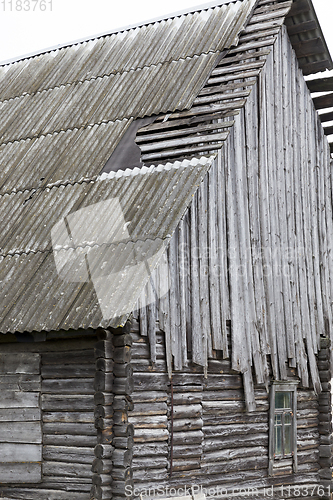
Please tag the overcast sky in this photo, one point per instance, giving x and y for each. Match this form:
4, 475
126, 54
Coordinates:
32, 25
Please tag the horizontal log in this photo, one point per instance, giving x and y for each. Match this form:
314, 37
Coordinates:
150, 449
237, 418
148, 396
122, 354
18, 452
101, 479
187, 450
68, 386
20, 414
185, 464
101, 492
149, 409
236, 429
75, 371
123, 402
104, 334
68, 416
103, 451
85, 429
218, 442
123, 340
102, 466
147, 381
104, 349
104, 365
122, 458
151, 422
118, 487
125, 430
103, 382
27, 363
20, 382
236, 465
68, 454
123, 442
105, 436
122, 385
21, 432
69, 440
56, 402
231, 454
77, 357
187, 424
120, 417
123, 370
159, 462
19, 399
103, 398
66, 469
186, 398
148, 435
103, 411
20, 472
104, 423
121, 473
189, 437
187, 411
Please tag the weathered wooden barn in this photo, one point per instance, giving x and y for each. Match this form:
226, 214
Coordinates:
166, 261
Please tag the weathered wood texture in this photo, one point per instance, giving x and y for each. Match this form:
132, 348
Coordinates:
63, 402
215, 442
267, 206
204, 128
20, 418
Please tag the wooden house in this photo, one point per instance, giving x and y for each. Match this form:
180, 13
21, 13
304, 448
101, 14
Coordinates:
166, 261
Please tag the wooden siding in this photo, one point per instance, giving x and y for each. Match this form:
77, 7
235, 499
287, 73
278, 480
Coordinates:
68, 432
20, 418
215, 442
254, 246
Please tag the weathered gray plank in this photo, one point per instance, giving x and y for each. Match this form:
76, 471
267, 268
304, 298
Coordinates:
20, 363
20, 472
21, 432
12, 452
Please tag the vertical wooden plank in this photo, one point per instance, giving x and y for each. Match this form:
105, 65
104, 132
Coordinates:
214, 289
265, 216
223, 247
197, 354
203, 270
182, 292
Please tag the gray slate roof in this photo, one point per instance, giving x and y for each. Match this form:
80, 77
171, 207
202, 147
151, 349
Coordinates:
62, 114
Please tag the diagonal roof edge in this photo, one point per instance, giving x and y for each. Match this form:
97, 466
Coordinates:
190, 10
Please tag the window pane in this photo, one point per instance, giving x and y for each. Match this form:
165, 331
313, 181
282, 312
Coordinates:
278, 419
287, 439
283, 400
287, 418
278, 440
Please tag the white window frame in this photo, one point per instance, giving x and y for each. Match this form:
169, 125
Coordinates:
285, 386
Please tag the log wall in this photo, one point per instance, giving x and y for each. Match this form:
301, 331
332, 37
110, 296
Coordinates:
203, 436
254, 247
66, 396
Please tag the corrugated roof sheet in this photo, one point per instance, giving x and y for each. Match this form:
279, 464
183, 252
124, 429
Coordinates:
62, 114
202, 32
46, 284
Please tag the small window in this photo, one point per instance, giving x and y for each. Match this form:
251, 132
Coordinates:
283, 440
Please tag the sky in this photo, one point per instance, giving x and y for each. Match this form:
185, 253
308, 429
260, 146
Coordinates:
29, 26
